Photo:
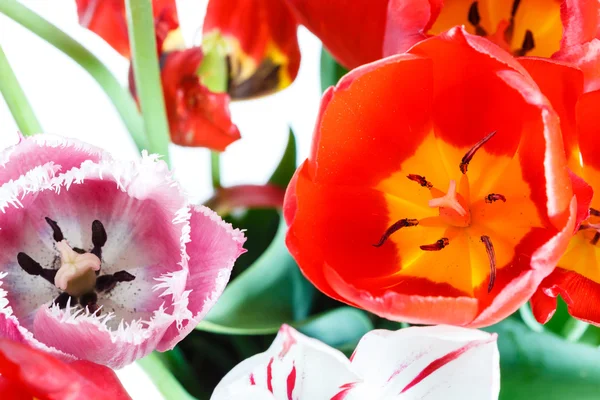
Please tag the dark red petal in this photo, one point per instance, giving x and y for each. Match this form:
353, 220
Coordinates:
351, 31
246, 196
197, 116
582, 296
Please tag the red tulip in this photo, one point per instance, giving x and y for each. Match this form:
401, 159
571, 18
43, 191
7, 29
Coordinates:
261, 42
197, 116
436, 190
577, 277
26, 373
107, 19
352, 30
562, 29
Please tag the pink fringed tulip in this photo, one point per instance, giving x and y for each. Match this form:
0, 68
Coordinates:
437, 362
103, 260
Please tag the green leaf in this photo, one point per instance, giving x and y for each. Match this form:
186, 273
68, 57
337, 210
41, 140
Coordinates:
542, 366
341, 327
16, 100
331, 71
287, 166
269, 293
119, 96
261, 225
146, 71
166, 383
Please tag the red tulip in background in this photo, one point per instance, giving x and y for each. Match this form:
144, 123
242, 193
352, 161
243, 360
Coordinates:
562, 29
352, 31
107, 19
26, 374
577, 277
262, 46
197, 116
436, 190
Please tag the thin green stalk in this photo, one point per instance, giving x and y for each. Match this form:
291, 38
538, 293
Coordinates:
146, 71
166, 383
574, 329
529, 319
215, 169
16, 100
119, 96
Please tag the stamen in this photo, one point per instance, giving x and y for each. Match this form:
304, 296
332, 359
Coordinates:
492, 197
32, 267
403, 223
475, 19
527, 46
106, 283
594, 212
63, 299
489, 247
437, 246
515, 7
595, 239
89, 301
449, 200
57, 233
464, 163
420, 180
508, 33
99, 238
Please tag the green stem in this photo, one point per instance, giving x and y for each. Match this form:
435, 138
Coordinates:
146, 71
574, 329
16, 100
529, 319
166, 383
215, 169
119, 96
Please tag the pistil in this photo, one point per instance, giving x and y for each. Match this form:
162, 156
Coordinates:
452, 207
77, 272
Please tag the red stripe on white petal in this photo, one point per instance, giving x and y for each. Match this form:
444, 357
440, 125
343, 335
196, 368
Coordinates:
270, 375
291, 382
442, 361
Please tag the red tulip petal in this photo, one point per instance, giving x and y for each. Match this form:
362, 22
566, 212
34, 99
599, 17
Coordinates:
197, 116
43, 376
107, 19
586, 57
582, 296
407, 23
351, 31
264, 54
580, 21
562, 85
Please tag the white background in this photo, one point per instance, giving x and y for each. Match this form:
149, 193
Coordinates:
67, 101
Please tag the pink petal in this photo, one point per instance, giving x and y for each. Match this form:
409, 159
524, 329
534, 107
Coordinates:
437, 362
87, 336
37, 150
294, 367
212, 249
